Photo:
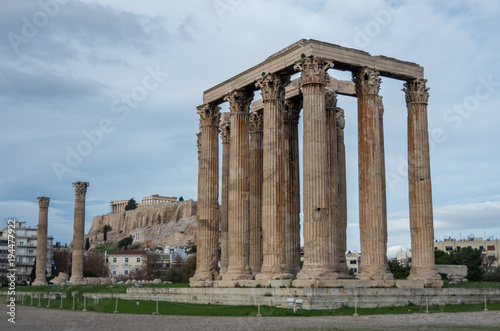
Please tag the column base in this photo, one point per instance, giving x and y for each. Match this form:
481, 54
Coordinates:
237, 274
39, 282
77, 280
317, 277
200, 283
428, 275
204, 275
271, 273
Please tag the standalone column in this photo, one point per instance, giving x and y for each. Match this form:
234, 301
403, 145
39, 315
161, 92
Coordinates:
225, 133
78, 232
342, 193
292, 186
419, 178
331, 109
239, 202
207, 228
317, 269
273, 96
256, 123
41, 241
372, 221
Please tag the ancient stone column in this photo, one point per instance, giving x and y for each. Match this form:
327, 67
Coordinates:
333, 178
78, 232
291, 194
256, 126
420, 191
342, 193
317, 269
239, 202
372, 221
207, 228
273, 96
225, 133
41, 241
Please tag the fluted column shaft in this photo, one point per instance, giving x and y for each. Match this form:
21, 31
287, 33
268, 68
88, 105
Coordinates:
78, 232
239, 202
256, 179
341, 193
207, 228
225, 129
334, 243
372, 220
292, 187
41, 241
420, 190
317, 231
273, 96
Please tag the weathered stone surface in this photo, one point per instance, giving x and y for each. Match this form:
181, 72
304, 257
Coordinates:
420, 190
41, 241
60, 279
78, 233
454, 273
225, 134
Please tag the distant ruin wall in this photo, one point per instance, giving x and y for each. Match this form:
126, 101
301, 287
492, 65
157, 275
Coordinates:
172, 224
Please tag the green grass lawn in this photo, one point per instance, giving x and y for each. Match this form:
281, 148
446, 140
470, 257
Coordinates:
122, 288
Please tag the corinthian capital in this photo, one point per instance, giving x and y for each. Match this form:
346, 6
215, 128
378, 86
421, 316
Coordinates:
209, 115
239, 101
272, 86
416, 91
43, 202
313, 70
330, 101
256, 121
81, 189
225, 127
339, 116
367, 81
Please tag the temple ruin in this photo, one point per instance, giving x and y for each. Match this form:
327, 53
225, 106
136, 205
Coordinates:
260, 201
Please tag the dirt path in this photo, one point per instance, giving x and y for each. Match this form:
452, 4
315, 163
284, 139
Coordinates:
31, 318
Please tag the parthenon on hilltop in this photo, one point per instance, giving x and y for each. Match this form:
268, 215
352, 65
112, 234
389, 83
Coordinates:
260, 202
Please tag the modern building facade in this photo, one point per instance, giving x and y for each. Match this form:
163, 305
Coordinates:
26, 250
490, 247
125, 262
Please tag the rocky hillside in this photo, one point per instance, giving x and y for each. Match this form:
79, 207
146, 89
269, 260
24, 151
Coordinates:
172, 224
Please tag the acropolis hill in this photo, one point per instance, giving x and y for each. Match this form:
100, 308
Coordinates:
172, 224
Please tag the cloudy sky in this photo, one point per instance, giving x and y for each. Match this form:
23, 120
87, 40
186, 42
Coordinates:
106, 92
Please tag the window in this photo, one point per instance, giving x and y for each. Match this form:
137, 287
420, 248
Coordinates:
448, 248
114, 259
138, 260
126, 259
137, 236
353, 261
355, 270
458, 248
490, 247
114, 272
481, 248
126, 271
30, 251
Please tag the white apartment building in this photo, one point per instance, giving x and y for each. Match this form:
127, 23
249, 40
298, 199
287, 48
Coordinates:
26, 239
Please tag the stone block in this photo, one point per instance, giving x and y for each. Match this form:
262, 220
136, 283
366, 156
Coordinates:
113, 281
90, 280
277, 283
352, 283
97, 280
408, 283
157, 281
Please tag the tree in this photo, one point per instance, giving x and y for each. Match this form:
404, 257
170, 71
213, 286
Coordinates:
131, 205
125, 242
95, 265
470, 257
398, 271
87, 244
181, 199
33, 273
